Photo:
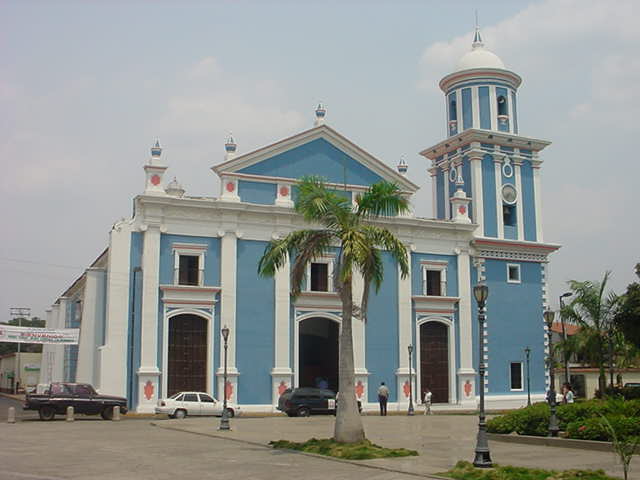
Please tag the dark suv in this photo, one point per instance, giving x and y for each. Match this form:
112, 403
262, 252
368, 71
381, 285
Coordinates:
302, 402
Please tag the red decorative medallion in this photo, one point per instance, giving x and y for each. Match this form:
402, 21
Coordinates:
462, 209
231, 186
467, 388
284, 191
228, 390
155, 179
359, 389
282, 387
405, 389
148, 390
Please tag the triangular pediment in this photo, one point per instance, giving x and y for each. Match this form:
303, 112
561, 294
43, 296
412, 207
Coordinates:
319, 151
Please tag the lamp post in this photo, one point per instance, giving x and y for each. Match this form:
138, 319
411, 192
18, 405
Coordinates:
410, 411
224, 420
483, 456
553, 419
564, 336
527, 352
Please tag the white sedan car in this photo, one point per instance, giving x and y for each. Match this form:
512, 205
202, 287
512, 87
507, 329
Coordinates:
181, 404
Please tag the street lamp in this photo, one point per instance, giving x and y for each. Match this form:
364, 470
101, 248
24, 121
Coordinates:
553, 420
527, 352
483, 456
224, 420
564, 337
410, 411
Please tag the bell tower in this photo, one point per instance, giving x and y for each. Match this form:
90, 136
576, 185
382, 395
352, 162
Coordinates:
499, 167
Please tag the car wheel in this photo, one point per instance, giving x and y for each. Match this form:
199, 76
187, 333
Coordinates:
303, 412
230, 413
47, 413
291, 414
107, 413
180, 413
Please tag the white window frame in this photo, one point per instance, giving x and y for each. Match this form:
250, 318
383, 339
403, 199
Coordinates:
190, 250
521, 389
438, 267
330, 261
517, 266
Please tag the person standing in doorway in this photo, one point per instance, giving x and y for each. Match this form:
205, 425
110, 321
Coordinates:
383, 398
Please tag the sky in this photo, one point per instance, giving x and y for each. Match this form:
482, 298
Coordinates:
86, 88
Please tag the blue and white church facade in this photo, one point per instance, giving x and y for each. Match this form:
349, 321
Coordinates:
152, 305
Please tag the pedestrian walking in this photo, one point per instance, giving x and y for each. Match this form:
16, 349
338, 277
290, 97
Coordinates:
426, 401
383, 398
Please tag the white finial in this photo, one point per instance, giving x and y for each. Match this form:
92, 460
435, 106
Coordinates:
459, 182
174, 189
477, 38
230, 147
321, 112
156, 150
402, 166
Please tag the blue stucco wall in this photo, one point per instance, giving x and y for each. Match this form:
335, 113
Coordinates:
71, 351
382, 332
416, 272
485, 108
134, 330
489, 197
257, 192
318, 157
514, 319
528, 201
254, 325
440, 195
467, 109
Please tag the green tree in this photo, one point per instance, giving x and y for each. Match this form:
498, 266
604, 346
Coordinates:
10, 347
628, 317
360, 244
593, 311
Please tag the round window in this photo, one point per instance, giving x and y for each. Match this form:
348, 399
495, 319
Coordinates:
453, 174
507, 170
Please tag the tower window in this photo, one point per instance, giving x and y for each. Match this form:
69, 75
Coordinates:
513, 273
509, 215
189, 270
502, 105
319, 277
453, 111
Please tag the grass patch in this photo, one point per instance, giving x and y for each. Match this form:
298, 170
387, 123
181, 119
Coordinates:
466, 471
364, 450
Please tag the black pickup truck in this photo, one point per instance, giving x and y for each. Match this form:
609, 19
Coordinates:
81, 396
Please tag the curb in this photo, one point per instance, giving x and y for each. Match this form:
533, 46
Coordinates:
314, 455
593, 445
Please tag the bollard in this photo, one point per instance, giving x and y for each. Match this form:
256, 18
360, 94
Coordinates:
116, 414
11, 415
69, 414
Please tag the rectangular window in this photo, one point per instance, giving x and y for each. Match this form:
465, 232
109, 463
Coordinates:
188, 270
434, 280
513, 273
516, 376
319, 277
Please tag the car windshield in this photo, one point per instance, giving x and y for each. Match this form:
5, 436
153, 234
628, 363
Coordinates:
83, 389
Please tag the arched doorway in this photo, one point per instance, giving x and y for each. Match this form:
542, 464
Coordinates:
187, 355
434, 360
318, 353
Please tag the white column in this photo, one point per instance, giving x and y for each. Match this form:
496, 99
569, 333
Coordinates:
498, 175
63, 306
537, 193
466, 373
359, 344
476, 194
281, 372
475, 102
447, 206
519, 207
114, 353
91, 313
405, 334
48, 355
228, 261
493, 108
148, 373
434, 191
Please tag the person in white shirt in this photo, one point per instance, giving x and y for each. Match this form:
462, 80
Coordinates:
426, 401
383, 397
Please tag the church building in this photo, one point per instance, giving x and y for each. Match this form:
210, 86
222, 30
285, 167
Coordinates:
151, 307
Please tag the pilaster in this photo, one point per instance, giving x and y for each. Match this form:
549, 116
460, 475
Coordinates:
359, 331
497, 163
91, 314
447, 206
228, 261
519, 206
281, 372
537, 192
466, 373
405, 333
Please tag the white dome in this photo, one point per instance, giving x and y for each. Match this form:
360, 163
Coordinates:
479, 58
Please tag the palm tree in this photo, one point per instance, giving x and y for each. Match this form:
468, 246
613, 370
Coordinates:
593, 311
360, 244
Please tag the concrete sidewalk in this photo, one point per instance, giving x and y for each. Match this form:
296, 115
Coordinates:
441, 440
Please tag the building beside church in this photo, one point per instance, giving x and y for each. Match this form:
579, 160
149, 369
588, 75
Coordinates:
151, 307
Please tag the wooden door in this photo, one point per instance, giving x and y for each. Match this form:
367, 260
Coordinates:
187, 363
434, 360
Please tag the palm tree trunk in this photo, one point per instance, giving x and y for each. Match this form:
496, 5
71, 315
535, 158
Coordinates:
348, 427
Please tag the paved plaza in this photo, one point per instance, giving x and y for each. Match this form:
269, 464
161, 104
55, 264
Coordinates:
145, 448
